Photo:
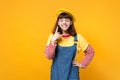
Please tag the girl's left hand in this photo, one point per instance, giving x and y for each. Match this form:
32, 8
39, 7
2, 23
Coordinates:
75, 63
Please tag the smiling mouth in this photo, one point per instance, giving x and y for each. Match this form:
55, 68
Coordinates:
64, 25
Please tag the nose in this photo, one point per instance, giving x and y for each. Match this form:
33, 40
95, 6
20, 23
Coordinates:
64, 21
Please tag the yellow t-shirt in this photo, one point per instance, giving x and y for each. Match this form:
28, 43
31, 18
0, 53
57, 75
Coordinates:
82, 43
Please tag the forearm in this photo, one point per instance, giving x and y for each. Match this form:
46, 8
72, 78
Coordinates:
89, 54
50, 50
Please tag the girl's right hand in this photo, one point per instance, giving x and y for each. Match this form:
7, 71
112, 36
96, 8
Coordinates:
56, 35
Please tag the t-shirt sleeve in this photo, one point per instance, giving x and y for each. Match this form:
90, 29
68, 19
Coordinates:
49, 38
82, 42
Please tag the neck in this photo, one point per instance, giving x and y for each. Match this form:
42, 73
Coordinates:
64, 32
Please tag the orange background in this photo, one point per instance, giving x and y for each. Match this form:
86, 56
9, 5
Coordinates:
26, 24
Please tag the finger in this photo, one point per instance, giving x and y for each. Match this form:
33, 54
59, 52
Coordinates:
60, 35
74, 62
74, 65
56, 29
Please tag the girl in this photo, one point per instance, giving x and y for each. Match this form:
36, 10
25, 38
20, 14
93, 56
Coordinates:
64, 46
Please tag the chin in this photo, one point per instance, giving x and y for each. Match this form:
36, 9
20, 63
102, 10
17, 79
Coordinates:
64, 29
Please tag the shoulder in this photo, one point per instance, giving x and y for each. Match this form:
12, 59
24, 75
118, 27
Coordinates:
50, 35
49, 38
82, 39
79, 36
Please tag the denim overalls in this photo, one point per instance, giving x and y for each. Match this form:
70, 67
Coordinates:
62, 67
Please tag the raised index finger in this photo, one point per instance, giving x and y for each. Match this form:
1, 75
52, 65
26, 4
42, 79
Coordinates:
56, 29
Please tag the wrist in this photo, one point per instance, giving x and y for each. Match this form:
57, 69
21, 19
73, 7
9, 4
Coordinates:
53, 42
80, 65
53, 39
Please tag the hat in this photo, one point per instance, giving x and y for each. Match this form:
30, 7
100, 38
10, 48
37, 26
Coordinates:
66, 11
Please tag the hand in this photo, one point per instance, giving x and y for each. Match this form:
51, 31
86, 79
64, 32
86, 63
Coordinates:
75, 63
56, 35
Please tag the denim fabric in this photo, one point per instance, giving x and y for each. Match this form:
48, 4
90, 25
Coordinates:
62, 67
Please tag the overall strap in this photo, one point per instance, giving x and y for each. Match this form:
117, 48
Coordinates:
75, 39
76, 43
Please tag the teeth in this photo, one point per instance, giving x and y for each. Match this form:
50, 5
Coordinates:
64, 25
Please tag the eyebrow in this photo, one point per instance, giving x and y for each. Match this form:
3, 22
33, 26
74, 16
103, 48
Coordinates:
64, 18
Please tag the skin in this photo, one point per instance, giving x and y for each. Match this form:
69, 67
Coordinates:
64, 24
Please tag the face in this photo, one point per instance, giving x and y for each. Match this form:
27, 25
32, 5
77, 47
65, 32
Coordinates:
64, 23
